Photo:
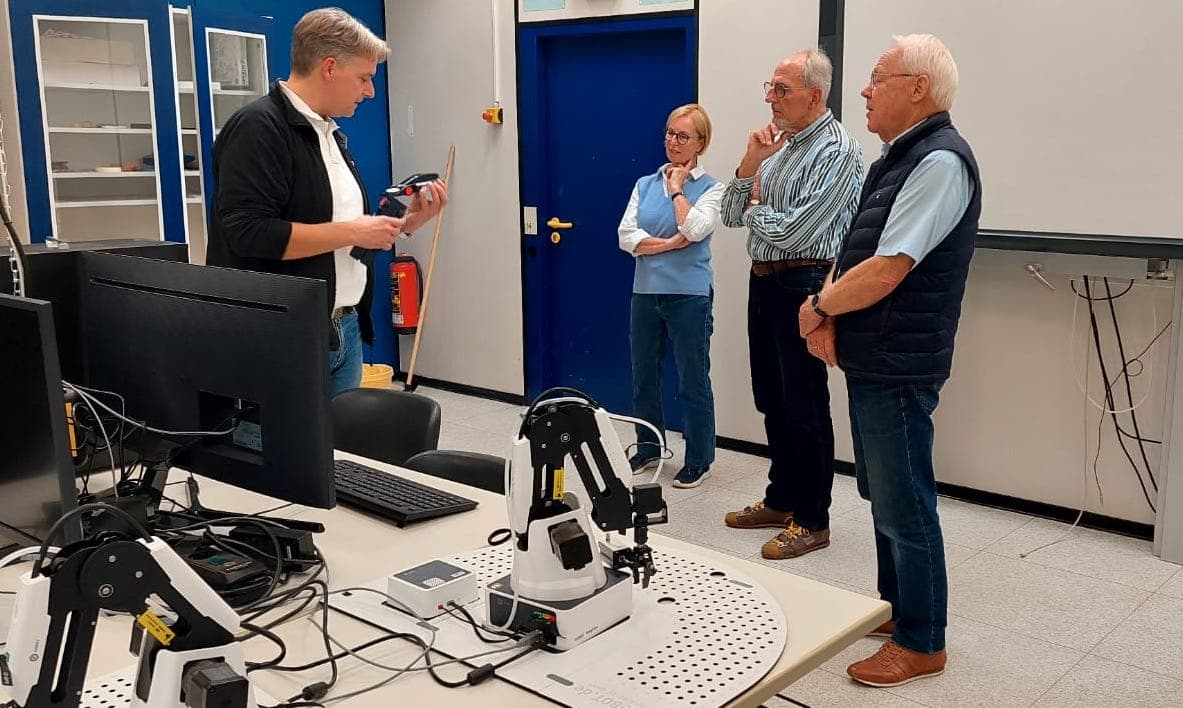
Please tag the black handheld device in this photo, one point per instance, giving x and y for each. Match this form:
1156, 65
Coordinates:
391, 205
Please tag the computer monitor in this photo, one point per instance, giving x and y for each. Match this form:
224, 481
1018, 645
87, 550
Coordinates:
199, 348
36, 473
53, 275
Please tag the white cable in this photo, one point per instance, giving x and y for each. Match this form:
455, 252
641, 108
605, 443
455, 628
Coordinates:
25, 554
660, 440
496, 54
139, 424
1080, 386
1084, 466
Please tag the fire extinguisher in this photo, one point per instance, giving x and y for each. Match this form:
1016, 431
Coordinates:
406, 293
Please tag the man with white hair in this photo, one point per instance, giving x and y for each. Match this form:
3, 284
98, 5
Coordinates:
888, 317
288, 197
795, 190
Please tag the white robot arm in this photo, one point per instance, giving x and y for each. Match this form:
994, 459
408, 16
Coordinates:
192, 661
568, 483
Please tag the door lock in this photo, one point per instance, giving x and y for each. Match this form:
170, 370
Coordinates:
555, 237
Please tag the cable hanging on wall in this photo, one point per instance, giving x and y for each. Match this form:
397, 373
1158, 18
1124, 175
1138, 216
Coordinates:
16, 252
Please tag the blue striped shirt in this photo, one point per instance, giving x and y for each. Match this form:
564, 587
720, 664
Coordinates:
809, 192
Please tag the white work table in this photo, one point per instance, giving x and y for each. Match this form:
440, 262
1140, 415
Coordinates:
822, 620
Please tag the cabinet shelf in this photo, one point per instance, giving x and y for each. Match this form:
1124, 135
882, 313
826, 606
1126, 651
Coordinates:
102, 131
236, 92
102, 175
85, 203
74, 86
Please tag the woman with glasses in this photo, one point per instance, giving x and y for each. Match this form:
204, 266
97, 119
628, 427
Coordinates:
667, 227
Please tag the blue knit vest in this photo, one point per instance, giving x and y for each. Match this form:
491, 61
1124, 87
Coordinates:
908, 336
686, 271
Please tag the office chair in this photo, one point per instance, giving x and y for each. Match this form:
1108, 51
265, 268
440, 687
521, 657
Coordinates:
389, 426
472, 468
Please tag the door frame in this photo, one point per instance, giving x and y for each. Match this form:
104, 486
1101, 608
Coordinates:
533, 119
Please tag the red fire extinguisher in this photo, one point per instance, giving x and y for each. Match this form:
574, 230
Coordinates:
406, 293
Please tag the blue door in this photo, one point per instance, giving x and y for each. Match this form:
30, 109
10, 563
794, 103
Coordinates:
594, 99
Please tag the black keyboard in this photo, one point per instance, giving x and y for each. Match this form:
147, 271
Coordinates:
392, 497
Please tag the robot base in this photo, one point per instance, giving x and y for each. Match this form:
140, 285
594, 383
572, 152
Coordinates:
565, 623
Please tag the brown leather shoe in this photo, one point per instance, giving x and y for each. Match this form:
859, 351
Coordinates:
794, 541
757, 516
887, 629
894, 665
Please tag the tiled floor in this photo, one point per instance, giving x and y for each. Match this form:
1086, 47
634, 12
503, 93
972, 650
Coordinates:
1095, 620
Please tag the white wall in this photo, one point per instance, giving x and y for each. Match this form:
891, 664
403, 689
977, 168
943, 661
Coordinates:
441, 74
11, 136
738, 51
1011, 420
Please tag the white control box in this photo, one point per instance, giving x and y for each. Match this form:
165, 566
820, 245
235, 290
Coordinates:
424, 588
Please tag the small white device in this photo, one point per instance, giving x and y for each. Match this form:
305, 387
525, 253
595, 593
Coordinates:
425, 588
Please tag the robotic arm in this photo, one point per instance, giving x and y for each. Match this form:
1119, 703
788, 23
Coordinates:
565, 580
188, 663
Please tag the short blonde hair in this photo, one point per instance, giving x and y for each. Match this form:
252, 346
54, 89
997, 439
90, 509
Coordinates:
700, 119
925, 54
332, 32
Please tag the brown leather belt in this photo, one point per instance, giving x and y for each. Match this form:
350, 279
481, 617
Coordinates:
770, 267
340, 312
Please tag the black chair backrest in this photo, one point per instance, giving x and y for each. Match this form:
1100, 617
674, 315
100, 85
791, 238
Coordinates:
385, 425
472, 468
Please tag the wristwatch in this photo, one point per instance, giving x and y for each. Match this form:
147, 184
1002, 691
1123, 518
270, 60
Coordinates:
813, 302
675, 195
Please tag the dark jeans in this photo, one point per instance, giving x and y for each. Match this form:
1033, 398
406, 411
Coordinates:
790, 389
686, 320
892, 429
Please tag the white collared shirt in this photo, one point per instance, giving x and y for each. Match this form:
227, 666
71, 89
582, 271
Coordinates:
700, 220
348, 203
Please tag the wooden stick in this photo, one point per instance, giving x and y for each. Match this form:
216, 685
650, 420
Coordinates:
439, 222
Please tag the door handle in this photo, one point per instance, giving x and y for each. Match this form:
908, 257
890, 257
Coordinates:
554, 223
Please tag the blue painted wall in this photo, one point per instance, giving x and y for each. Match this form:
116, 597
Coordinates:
368, 129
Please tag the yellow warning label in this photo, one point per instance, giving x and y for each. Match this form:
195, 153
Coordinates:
560, 487
156, 627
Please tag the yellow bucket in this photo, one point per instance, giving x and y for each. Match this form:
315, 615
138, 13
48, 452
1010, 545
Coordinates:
376, 375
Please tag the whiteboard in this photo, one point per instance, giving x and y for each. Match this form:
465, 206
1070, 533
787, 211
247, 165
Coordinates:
1074, 108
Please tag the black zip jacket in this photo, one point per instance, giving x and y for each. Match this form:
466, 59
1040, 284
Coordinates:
268, 173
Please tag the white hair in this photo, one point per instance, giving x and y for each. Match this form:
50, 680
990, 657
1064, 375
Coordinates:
817, 71
925, 54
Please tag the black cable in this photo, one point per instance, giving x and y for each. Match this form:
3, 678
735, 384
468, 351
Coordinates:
342, 654
85, 508
268, 634
1096, 331
1128, 388
794, 701
476, 628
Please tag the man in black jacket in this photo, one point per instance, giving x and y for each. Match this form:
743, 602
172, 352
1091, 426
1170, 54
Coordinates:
288, 197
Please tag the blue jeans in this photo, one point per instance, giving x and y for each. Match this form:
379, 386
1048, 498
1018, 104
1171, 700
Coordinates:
790, 389
892, 429
345, 360
686, 320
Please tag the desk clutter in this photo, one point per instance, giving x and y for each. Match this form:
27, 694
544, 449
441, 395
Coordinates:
700, 635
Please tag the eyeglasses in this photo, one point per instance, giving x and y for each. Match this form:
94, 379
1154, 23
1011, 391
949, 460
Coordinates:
780, 89
878, 79
680, 138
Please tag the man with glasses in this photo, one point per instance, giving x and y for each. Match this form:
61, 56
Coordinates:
795, 190
888, 318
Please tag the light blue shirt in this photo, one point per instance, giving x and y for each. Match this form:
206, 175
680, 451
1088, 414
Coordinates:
929, 204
